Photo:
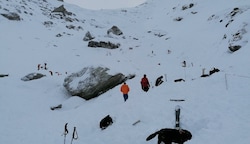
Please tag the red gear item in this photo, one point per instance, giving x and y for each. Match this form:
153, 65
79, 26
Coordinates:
144, 82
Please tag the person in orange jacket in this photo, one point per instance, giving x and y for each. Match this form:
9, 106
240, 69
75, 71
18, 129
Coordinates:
125, 90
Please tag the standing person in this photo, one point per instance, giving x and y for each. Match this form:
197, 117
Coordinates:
144, 83
125, 90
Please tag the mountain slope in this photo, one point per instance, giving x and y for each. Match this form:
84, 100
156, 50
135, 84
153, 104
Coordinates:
158, 37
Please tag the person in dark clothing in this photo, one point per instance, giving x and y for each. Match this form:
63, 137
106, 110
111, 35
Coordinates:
145, 83
159, 81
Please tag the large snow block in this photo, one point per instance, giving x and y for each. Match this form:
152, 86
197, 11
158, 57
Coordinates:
91, 82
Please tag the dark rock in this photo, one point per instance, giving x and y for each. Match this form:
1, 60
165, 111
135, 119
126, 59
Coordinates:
62, 10
187, 6
115, 30
88, 36
234, 48
103, 44
48, 23
178, 19
32, 76
12, 16
235, 11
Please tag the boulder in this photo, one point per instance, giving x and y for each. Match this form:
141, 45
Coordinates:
32, 76
234, 48
88, 36
12, 16
115, 30
48, 23
91, 82
103, 44
61, 9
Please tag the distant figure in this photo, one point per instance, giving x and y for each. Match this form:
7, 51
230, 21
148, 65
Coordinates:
125, 90
184, 64
159, 81
45, 66
38, 66
51, 73
144, 83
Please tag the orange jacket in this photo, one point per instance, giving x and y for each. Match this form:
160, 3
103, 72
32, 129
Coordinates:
124, 89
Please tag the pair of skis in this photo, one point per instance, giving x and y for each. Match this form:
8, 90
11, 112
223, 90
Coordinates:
177, 113
177, 117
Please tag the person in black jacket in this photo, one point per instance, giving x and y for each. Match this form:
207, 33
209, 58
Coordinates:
159, 81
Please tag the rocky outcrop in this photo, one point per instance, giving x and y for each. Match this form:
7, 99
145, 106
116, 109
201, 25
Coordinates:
187, 6
103, 44
88, 36
234, 48
115, 30
12, 16
91, 82
61, 10
235, 37
32, 76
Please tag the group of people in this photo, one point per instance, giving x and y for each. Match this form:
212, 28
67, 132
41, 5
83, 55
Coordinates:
144, 85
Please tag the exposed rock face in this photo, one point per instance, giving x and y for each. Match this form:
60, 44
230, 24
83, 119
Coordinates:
103, 44
62, 10
237, 39
234, 48
88, 36
48, 23
115, 30
12, 16
91, 82
32, 76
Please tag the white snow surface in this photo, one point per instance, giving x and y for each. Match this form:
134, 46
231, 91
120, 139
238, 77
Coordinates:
215, 110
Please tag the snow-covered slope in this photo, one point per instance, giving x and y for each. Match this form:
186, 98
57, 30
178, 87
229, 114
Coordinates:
157, 37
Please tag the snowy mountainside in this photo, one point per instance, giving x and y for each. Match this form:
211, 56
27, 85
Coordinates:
157, 37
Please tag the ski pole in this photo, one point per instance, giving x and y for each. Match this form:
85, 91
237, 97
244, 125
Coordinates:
74, 135
65, 132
